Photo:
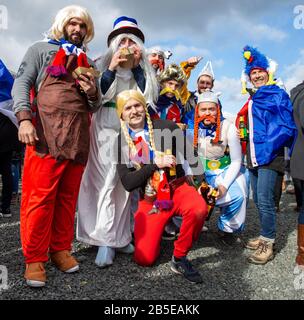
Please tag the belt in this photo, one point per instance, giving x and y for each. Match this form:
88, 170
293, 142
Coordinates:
220, 163
110, 105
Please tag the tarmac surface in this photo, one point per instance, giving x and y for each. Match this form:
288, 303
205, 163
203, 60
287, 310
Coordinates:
227, 274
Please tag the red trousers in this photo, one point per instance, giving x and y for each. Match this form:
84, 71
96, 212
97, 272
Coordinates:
49, 196
148, 229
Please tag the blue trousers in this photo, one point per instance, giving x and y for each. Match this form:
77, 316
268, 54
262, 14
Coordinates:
263, 187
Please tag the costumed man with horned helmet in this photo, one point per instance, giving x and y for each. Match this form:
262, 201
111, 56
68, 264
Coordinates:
165, 190
169, 105
218, 146
157, 58
268, 115
57, 138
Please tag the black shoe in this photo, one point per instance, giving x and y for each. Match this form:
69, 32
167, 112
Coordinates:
6, 213
228, 239
184, 267
169, 236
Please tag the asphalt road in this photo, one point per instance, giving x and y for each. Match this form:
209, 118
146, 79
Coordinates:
226, 273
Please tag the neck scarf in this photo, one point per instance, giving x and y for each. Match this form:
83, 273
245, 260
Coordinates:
57, 68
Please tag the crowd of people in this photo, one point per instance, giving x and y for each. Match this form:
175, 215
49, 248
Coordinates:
122, 141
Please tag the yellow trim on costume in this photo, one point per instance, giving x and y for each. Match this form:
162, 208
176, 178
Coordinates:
271, 80
184, 92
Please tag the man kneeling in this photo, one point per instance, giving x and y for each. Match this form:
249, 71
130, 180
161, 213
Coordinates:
165, 190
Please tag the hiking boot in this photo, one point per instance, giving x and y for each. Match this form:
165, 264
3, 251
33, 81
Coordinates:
253, 244
64, 261
184, 267
6, 213
35, 274
263, 254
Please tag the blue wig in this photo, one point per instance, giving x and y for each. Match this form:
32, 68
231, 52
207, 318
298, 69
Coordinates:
254, 59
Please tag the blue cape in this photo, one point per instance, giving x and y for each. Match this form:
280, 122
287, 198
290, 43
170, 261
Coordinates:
273, 123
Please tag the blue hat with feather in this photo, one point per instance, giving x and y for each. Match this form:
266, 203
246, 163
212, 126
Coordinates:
254, 60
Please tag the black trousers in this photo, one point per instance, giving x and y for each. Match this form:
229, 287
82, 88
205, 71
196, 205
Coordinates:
298, 191
7, 179
278, 189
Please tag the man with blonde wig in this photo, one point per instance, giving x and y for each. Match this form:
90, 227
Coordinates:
56, 132
165, 190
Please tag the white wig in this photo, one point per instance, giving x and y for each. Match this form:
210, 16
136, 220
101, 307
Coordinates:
65, 15
152, 89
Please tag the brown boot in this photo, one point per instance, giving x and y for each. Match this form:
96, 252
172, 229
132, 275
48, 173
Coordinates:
263, 254
64, 261
35, 274
300, 256
253, 244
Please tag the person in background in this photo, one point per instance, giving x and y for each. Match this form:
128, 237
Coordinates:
165, 190
296, 164
57, 139
104, 206
9, 142
268, 117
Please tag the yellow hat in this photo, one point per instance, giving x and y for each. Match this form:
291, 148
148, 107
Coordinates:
125, 96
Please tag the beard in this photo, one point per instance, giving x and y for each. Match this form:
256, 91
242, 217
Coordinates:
211, 119
78, 43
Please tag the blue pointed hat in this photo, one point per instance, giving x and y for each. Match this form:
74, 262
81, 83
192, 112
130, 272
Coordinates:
254, 60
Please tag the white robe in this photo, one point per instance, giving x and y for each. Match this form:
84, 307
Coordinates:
104, 204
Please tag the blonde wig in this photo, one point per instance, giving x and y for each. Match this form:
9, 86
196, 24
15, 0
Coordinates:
121, 101
64, 16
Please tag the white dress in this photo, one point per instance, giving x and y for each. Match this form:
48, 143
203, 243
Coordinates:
104, 204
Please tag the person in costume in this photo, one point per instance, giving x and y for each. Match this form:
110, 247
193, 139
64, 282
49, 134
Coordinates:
296, 164
104, 205
163, 193
56, 133
169, 105
157, 58
8, 139
268, 117
217, 144
205, 81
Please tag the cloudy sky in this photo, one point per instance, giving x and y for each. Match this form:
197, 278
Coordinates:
216, 30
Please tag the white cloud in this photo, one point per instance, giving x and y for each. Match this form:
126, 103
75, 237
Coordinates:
245, 27
266, 32
218, 63
231, 98
294, 73
12, 52
182, 53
